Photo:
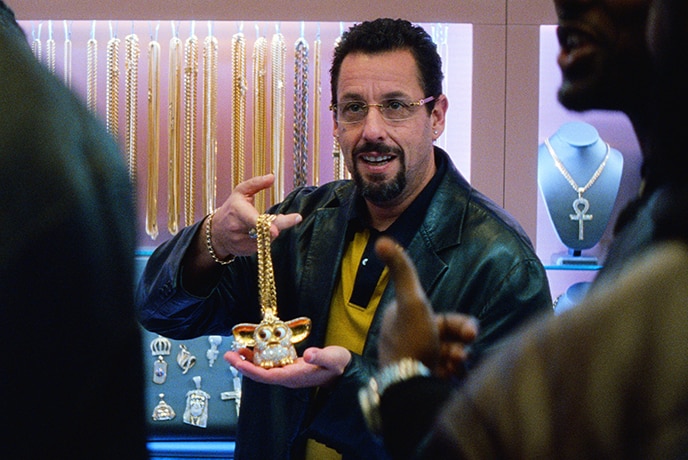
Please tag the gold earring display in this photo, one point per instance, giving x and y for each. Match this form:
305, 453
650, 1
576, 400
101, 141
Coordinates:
190, 86
300, 112
92, 72
261, 161
239, 89
279, 53
174, 138
209, 139
273, 339
112, 87
153, 138
131, 73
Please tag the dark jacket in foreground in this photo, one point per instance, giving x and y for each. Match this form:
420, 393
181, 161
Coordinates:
72, 376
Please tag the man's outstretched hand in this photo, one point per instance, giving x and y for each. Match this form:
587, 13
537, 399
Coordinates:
411, 329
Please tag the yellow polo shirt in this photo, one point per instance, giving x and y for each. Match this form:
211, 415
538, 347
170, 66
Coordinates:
348, 323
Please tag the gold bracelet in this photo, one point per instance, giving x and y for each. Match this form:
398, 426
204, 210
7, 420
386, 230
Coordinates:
209, 245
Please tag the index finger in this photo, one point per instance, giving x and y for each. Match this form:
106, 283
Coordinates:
402, 271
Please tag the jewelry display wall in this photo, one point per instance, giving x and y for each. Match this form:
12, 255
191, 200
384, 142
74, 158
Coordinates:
229, 100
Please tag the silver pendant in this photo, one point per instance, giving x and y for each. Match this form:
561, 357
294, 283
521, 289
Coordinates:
580, 207
185, 359
160, 347
163, 411
236, 393
211, 354
196, 411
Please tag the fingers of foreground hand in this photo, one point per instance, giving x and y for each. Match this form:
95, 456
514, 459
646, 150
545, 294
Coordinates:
410, 295
408, 328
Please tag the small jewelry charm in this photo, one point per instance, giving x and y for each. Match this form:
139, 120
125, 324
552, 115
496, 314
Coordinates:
196, 412
236, 393
211, 354
160, 347
163, 411
185, 359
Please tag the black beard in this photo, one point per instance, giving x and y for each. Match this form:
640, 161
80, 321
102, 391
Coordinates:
380, 192
376, 190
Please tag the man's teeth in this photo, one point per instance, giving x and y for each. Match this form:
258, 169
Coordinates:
376, 159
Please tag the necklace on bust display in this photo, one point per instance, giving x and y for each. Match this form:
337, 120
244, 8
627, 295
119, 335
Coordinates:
580, 204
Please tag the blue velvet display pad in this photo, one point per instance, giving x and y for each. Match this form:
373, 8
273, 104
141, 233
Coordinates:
222, 417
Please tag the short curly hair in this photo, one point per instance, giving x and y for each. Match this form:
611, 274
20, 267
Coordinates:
385, 34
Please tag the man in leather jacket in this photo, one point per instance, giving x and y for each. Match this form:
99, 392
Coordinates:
472, 257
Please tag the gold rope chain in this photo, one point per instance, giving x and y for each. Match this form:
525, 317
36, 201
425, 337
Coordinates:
266, 274
564, 172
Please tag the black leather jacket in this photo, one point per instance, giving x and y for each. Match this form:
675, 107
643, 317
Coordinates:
471, 257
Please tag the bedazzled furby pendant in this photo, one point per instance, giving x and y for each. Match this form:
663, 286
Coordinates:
272, 339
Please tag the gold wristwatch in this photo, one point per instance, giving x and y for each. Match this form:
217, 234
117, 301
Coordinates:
370, 395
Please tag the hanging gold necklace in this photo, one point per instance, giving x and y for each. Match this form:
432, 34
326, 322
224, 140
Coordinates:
153, 136
279, 52
239, 89
580, 204
209, 141
174, 203
112, 86
261, 163
68, 55
317, 97
50, 49
190, 87
131, 72
92, 72
273, 338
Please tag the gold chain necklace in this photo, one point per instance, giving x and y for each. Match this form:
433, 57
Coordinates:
209, 141
112, 87
174, 206
92, 72
316, 111
190, 85
67, 64
153, 137
260, 159
580, 204
239, 88
131, 72
273, 338
279, 51
266, 275
50, 49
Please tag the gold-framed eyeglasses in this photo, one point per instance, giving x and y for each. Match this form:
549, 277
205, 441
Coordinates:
351, 112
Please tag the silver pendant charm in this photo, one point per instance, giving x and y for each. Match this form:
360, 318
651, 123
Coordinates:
196, 411
236, 393
580, 207
163, 411
160, 347
185, 359
211, 354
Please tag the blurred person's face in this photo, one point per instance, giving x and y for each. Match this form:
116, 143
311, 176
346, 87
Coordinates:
604, 59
